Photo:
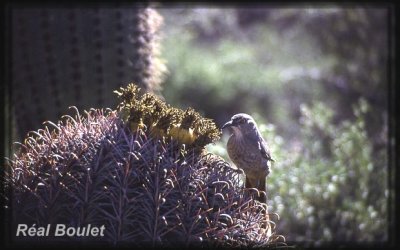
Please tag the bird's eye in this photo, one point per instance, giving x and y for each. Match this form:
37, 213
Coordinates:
239, 120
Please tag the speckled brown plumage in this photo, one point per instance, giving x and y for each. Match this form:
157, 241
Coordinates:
249, 151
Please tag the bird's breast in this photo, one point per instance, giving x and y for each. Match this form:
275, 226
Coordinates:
241, 151
246, 155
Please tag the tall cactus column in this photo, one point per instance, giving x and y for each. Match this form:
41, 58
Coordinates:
77, 56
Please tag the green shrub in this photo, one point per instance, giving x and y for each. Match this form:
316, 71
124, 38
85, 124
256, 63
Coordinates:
326, 186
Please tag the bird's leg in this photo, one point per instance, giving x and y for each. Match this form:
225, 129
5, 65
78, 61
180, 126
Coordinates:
259, 183
263, 198
261, 187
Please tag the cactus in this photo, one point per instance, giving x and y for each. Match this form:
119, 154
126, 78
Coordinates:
148, 111
77, 56
146, 190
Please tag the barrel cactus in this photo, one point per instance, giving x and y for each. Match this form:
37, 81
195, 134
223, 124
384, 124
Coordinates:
142, 173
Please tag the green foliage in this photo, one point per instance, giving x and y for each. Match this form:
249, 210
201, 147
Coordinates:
282, 66
282, 58
327, 187
242, 70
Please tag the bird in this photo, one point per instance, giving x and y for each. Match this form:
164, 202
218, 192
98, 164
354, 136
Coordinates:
249, 151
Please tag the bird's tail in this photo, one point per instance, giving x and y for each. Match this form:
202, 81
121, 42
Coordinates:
258, 183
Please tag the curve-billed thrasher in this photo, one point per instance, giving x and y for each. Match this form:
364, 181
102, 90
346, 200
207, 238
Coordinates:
249, 151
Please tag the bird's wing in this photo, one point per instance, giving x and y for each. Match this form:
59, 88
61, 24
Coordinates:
264, 149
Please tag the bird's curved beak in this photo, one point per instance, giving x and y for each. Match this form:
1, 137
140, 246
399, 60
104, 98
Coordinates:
228, 124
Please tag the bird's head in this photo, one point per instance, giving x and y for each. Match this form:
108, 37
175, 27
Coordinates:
241, 124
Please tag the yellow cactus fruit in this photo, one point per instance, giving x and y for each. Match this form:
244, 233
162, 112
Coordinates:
182, 135
137, 125
147, 112
157, 132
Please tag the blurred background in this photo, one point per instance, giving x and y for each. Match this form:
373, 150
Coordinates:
314, 79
